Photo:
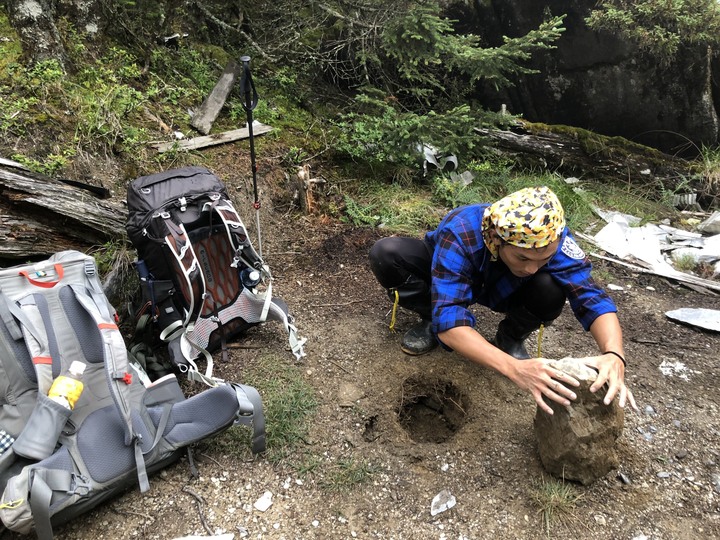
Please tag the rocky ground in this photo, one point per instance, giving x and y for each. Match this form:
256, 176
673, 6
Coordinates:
667, 485
480, 446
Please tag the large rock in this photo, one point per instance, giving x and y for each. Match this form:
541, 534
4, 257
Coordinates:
596, 81
578, 443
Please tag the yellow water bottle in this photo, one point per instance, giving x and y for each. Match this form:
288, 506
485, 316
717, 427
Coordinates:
66, 389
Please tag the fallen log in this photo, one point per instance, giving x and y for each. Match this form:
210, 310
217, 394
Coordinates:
40, 215
578, 152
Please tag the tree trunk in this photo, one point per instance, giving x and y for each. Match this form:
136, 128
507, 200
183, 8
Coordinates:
40, 216
34, 21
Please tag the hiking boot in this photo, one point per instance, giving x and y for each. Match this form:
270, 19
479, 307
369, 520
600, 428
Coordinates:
509, 344
419, 339
514, 329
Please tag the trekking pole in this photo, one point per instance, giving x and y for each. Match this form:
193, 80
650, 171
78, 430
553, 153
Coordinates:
251, 100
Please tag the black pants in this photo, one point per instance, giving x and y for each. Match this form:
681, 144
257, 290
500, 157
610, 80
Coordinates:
403, 264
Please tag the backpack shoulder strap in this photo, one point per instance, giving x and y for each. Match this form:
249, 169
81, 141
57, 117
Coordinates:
249, 400
117, 369
187, 263
237, 236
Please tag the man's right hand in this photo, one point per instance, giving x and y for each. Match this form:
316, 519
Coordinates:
539, 378
534, 375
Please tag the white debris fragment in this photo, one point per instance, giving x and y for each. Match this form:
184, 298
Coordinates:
264, 502
676, 369
614, 287
611, 216
441, 502
711, 225
648, 247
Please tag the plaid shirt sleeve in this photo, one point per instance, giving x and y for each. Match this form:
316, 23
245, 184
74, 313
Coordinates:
571, 268
6, 441
458, 244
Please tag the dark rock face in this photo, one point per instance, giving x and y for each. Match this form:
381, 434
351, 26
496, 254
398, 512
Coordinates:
598, 82
578, 443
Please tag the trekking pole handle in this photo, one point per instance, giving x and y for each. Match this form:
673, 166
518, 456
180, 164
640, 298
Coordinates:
247, 85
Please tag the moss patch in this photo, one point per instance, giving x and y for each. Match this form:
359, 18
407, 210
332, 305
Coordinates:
10, 49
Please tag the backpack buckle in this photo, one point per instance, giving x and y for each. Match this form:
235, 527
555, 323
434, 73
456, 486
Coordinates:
79, 485
183, 203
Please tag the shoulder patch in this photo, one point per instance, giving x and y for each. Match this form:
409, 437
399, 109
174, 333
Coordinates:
571, 249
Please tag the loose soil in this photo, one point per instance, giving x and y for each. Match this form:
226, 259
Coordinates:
438, 422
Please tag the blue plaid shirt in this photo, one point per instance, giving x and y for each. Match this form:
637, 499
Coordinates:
6, 441
463, 274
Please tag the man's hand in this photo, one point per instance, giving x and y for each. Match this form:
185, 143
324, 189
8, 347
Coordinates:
540, 379
611, 371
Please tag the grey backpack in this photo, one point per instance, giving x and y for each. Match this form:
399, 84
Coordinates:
53, 460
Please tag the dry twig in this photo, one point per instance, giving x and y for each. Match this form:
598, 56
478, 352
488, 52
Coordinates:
199, 501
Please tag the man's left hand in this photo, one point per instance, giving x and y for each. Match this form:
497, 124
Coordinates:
611, 371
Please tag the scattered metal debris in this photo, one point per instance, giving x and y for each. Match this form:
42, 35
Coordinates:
707, 319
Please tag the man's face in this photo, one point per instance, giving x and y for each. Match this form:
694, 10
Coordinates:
524, 262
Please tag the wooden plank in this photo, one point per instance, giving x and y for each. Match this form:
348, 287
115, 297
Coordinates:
212, 140
204, 117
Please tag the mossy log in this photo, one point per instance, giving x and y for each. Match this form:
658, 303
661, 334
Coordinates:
577, 152
41, 215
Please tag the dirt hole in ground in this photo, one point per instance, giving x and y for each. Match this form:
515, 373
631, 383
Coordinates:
431, 410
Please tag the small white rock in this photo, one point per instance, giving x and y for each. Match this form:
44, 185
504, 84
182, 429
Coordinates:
264, 502
441, 502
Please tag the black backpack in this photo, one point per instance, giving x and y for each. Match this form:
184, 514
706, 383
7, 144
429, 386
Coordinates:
203, 283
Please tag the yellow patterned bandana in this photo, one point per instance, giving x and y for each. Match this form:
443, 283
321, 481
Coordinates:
529, 218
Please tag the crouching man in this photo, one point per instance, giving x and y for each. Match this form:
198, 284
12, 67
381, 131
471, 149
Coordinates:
517, 257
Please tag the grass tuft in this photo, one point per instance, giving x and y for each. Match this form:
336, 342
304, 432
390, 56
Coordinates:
556, 500
288, 402
346, 473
